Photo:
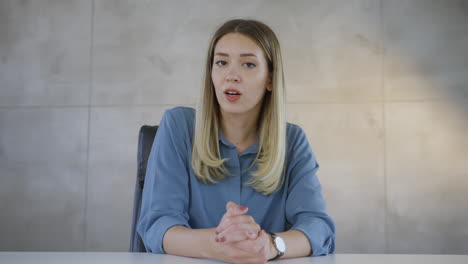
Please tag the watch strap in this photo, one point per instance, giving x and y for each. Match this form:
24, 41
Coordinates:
280, 253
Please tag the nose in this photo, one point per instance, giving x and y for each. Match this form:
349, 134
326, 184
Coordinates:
232, 75
232, 78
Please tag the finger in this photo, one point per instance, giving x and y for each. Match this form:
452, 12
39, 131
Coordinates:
225, 222
229, 205
230, 236
254, 245
239, 219
248, 245
235, 209
238, 232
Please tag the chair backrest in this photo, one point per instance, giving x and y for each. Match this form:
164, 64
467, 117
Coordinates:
145, 142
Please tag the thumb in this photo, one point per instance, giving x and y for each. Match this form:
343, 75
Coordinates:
229, 205
235, 209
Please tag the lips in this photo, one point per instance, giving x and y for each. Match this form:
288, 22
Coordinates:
232, 94
231, 91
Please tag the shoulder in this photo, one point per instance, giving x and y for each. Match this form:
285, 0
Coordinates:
297, 143
181, 113
179, 116
294, 134
179, 120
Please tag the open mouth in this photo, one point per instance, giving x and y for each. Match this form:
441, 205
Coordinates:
232, 93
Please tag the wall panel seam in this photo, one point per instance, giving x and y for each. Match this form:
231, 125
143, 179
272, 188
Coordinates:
90, 90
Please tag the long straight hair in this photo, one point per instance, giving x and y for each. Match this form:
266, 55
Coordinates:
207, 163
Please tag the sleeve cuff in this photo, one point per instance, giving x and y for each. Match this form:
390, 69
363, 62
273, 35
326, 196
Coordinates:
155, 235
321, 239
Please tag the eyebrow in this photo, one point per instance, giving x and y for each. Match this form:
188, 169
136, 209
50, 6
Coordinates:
242, 54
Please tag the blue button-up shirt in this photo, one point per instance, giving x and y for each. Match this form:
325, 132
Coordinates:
172, 195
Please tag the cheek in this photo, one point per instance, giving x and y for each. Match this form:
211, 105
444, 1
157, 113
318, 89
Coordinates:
260, 83
256, 92
216, 83
259, 95
260, 88
215, 78
259, 78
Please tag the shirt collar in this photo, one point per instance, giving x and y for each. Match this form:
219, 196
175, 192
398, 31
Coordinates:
250, 150
224, 140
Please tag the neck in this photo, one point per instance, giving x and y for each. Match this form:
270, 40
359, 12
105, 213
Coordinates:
239, 129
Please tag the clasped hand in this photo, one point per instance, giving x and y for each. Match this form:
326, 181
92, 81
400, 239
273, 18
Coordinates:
241, 239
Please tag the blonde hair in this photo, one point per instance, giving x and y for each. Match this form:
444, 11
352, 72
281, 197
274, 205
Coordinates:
206, 158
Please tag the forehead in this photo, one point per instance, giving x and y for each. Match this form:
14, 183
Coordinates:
235, 43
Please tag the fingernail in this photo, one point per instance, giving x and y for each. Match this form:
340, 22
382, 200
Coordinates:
242, 208
221, 240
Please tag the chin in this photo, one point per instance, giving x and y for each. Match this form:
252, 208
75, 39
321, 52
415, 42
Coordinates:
234, 109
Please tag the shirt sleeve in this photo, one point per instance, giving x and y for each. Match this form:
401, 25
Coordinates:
165, 192
305, 205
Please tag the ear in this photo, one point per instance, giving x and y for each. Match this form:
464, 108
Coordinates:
269, 84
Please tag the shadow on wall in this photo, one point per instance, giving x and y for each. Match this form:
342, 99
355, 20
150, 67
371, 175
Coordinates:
426, 108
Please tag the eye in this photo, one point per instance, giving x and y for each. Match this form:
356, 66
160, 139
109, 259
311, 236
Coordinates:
221, 63
250, 65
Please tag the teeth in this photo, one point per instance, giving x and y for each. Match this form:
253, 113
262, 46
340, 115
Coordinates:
231, 93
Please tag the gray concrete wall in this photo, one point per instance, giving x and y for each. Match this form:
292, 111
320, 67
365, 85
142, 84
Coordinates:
381, 88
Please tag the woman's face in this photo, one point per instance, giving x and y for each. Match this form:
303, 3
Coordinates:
240, 74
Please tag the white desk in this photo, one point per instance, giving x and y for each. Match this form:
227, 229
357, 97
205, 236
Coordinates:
149, 258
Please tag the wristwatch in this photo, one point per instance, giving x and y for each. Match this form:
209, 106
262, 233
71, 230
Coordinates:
279, 245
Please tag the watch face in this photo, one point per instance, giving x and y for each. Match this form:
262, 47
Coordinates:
280, 244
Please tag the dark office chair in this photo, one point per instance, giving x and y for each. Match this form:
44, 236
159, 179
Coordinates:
145, 142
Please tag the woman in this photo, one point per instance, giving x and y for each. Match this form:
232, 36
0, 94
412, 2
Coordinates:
234, 181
